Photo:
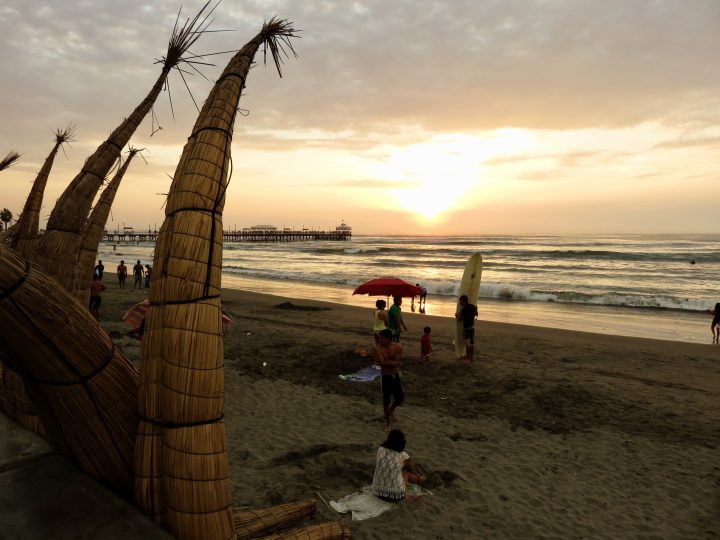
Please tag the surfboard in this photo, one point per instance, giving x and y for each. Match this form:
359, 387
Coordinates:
470, 287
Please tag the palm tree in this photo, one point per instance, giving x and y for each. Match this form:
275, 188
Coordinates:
6, 216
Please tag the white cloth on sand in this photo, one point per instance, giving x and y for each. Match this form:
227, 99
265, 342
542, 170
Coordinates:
364, 505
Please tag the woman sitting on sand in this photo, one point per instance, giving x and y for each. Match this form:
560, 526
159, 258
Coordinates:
393, 469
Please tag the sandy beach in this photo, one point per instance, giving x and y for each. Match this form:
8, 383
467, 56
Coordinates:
548, 434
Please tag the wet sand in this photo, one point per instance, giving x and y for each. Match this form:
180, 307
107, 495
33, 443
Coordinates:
548, 433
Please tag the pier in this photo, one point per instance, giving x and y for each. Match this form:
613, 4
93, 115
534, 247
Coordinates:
244, 235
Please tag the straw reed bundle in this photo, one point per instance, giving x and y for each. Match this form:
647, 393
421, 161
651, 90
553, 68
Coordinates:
9, 160
58, 248
25, 237
83, 388
149, 484
93, 231
16, 404
183, 348
255, 523
332, 530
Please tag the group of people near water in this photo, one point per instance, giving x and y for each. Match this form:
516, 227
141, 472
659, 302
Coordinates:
140, 273
393, 469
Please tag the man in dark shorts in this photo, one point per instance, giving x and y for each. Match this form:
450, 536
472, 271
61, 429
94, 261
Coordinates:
122, 274
395, 320
387, 356
467, 314
99, 269
96, 289
138, 273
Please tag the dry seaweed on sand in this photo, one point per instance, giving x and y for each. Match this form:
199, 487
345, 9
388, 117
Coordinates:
81, 385
182, 377
58, 248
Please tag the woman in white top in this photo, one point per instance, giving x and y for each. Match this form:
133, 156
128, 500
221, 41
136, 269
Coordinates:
380, 319
393, 469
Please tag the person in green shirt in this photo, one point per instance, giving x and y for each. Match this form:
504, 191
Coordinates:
395, 320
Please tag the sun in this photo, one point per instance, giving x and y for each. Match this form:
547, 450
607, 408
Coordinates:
439, 176
433, 176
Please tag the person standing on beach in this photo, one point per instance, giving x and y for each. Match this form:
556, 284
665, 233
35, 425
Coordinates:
467, 314
387, 356
395, 320
96, 289
379, 319
138, 273
122, 274
425, 345
99, 269
715, 325
148, 272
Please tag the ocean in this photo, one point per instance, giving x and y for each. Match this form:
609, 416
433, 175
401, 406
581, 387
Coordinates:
638, 285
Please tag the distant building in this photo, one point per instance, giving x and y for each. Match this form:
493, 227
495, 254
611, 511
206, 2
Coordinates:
343, 227
263, 228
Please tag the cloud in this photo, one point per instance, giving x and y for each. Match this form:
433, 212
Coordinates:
562, 160
372, 184
711, 142
454, 65
370, 76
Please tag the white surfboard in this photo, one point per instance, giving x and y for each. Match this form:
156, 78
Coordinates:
470, 287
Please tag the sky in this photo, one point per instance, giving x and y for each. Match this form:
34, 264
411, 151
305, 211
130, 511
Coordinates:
458, 117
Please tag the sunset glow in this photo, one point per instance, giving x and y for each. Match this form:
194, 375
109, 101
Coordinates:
548, 119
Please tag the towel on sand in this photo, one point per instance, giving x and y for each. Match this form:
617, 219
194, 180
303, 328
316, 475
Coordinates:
366, 374
364, 505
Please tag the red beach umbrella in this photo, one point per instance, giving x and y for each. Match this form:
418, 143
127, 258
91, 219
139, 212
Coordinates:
388, 287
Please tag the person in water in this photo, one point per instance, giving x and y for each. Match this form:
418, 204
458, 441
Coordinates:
393, 469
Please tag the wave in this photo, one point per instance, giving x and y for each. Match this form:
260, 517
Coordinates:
501, 291
510, 292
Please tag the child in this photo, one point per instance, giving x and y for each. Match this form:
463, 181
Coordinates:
425, 345
715, 325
